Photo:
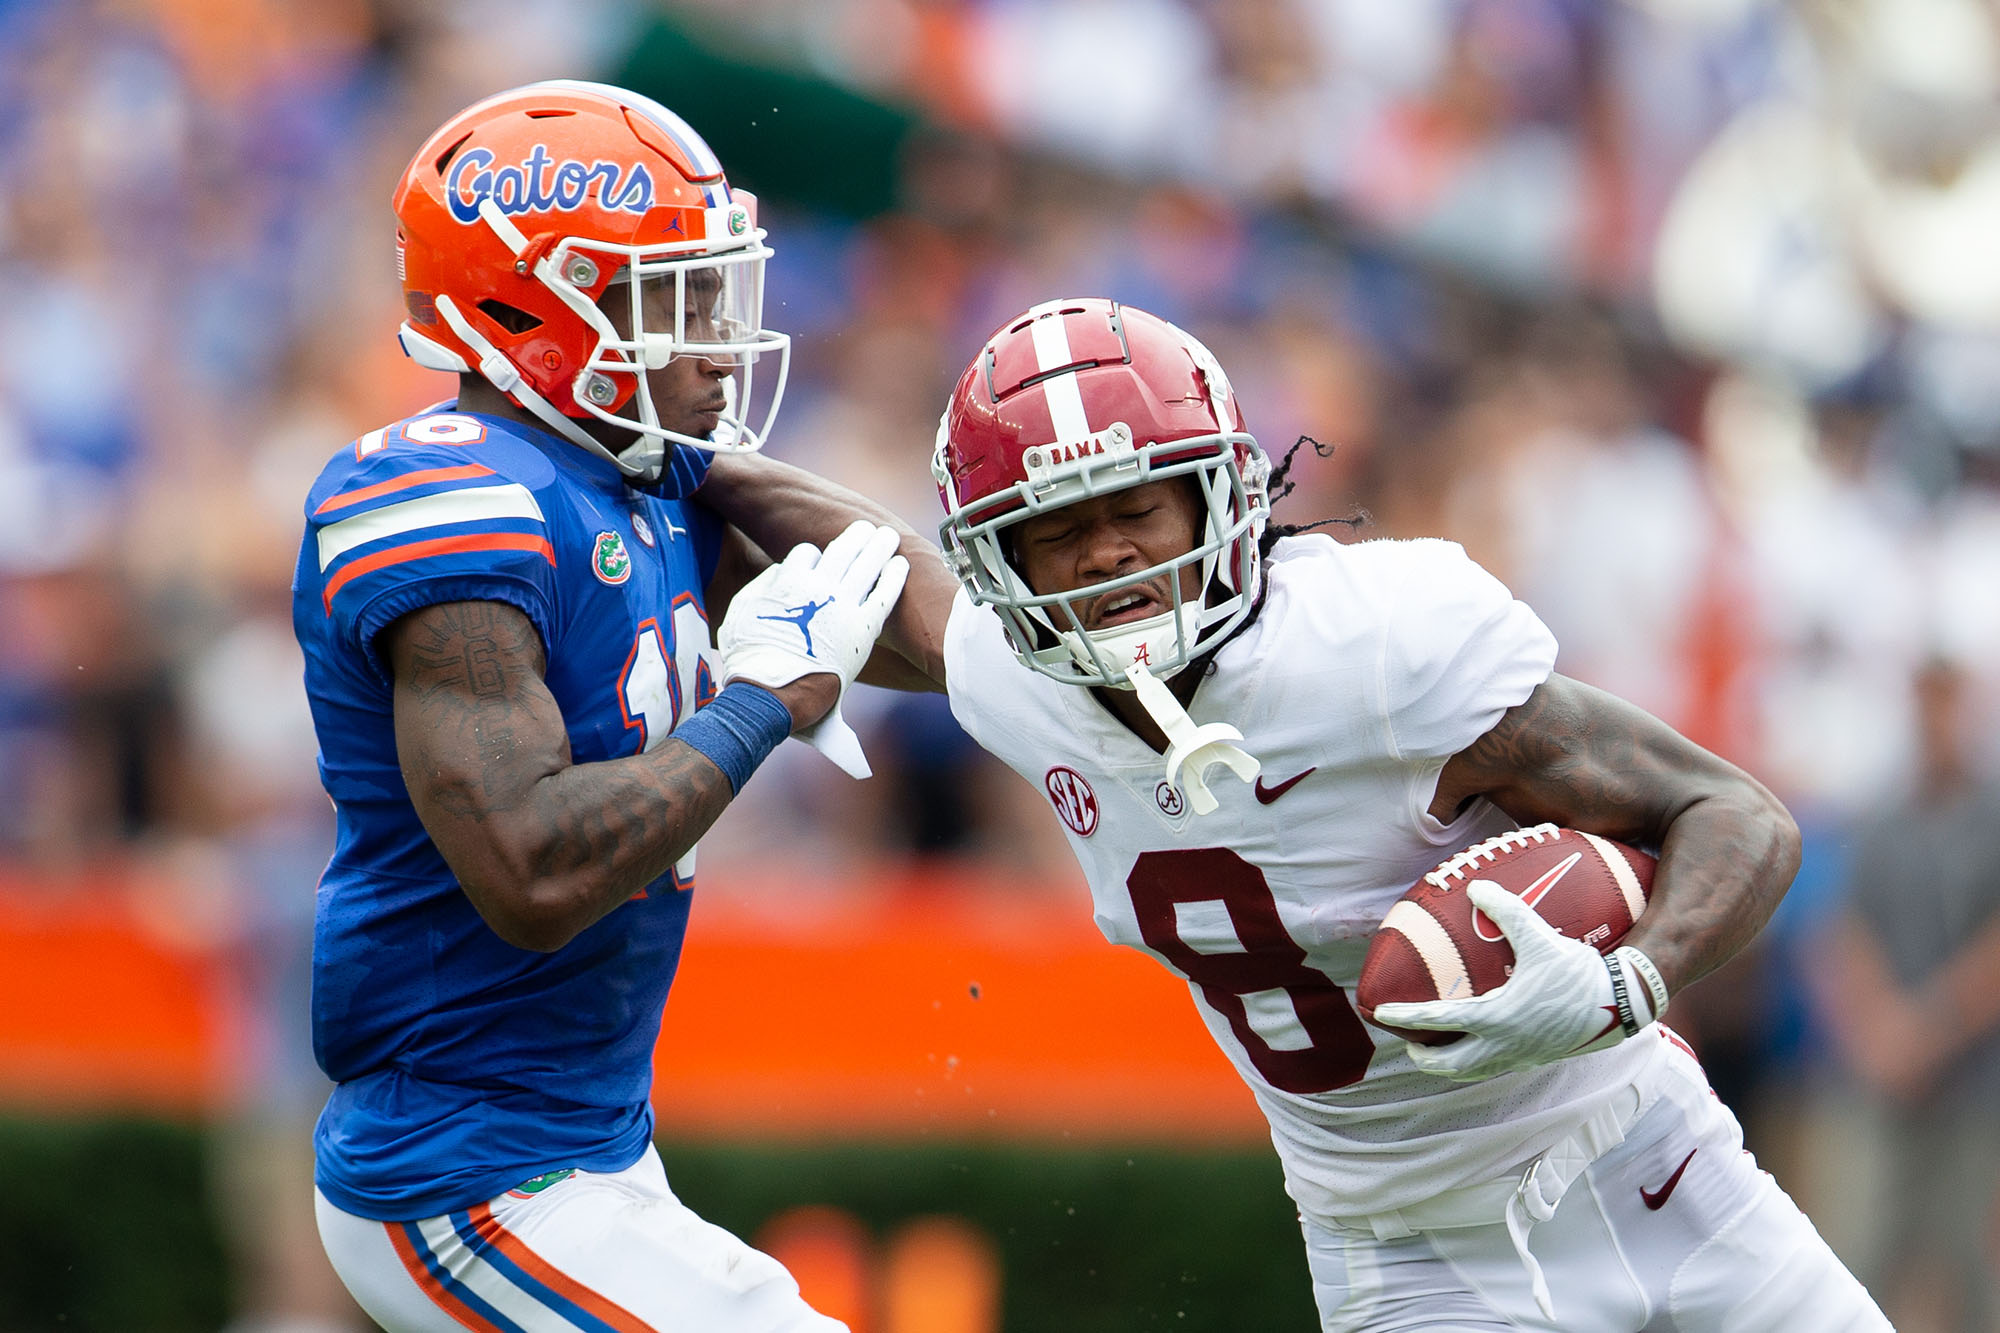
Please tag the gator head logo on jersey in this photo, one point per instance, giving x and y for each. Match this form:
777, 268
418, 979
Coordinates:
610, 561
529, 1188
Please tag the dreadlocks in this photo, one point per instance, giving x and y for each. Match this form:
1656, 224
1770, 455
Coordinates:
1281, 485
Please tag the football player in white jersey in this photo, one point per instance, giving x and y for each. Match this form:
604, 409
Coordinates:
1256, 741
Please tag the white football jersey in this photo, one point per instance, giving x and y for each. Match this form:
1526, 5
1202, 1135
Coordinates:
1367, 668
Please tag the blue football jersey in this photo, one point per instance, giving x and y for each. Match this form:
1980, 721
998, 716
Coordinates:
465, 1065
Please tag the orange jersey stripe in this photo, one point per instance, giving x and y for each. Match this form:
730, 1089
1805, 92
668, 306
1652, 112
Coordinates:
511, 1245
396, 555
403, 482
428, 1283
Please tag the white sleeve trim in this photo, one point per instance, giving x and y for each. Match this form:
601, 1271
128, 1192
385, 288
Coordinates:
472, 504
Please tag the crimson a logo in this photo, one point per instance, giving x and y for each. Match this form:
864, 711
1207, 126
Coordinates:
1073, 799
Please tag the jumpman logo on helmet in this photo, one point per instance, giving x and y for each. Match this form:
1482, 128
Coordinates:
802, 617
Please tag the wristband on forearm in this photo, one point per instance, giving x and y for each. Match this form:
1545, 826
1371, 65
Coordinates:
737, 730
1621, 994
1642, 968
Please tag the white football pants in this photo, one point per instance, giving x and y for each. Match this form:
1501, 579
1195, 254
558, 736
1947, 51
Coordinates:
1673, 1230
590, 1253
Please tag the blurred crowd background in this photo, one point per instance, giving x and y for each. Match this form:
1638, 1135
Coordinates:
1682, 315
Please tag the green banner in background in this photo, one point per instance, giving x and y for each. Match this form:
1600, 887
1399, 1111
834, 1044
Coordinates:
781, 134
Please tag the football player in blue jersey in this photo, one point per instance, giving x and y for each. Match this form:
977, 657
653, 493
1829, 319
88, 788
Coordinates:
503, 604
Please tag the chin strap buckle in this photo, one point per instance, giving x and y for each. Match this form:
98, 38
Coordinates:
500, 372
1191, 748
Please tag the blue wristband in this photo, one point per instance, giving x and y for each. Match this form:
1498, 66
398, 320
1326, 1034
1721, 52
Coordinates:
738, 730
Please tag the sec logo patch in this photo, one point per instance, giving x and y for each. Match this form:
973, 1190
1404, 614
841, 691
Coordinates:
1073, 799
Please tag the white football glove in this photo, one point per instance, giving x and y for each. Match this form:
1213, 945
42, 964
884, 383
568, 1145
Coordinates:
1558, 1002
815, 611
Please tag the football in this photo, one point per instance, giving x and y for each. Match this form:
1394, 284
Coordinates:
1434, 945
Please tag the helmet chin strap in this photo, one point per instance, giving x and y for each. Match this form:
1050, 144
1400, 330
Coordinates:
1139, 641
1191, 749
1142, 640
649, 459
502, 375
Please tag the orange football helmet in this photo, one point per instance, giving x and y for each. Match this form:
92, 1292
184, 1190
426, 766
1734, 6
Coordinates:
518, 216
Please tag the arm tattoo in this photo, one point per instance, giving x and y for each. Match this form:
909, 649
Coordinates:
468, 647
607, 819
486, 759
1556, 756
1575, 756
471, 674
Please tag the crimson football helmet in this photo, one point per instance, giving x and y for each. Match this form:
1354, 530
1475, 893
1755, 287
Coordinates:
518, 216
1078, 398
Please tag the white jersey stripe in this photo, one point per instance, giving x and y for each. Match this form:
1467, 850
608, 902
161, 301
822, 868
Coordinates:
487, 1282
466, 505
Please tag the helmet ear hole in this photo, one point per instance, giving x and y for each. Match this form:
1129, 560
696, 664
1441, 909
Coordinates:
1044, 637
509, 317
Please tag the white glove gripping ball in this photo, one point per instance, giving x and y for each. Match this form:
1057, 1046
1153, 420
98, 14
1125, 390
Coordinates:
1559, 1001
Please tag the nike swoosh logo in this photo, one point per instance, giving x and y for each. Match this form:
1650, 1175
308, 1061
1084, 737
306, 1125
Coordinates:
1657, 1199
1611, 1009
1482, 924
1266, 795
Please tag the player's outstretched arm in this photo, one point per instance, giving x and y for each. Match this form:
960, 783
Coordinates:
740, 560
1577, 756
777, 506
541, 846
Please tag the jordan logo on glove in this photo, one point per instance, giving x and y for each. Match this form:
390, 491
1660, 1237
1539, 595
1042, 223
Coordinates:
802, 617
837, 599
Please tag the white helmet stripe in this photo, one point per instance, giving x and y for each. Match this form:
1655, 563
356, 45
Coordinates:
1066, 408
1065, 398
671, 125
